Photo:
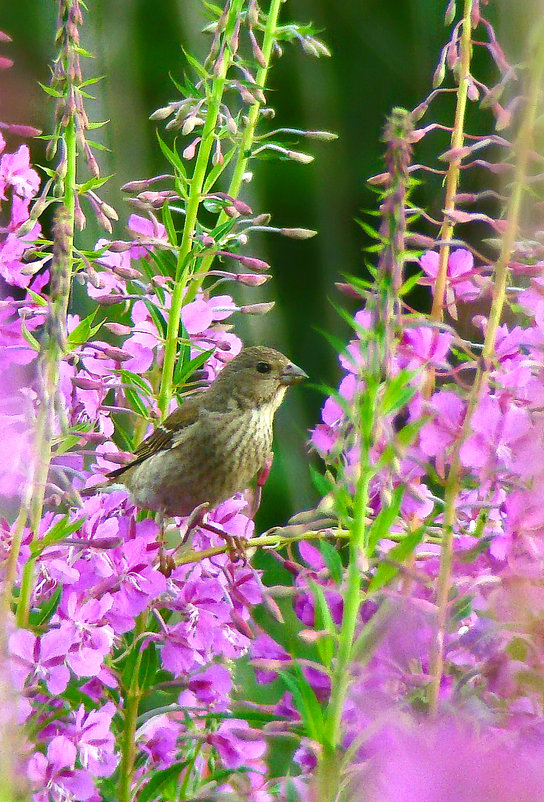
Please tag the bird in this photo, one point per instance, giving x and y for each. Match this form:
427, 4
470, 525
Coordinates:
216, 442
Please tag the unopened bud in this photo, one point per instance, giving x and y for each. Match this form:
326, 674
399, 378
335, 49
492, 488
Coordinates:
449, 16
252, 263
119, 246
190, 150
241, 625
297, 156
258, 309
162, 113
108, 300
257, 52
298, 233
22, 130
85, 383
118, 329
322, 136
251, 280
117, 354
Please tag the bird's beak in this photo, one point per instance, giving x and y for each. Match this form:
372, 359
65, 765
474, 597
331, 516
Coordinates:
292, 374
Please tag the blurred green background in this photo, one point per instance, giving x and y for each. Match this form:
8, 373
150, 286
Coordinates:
384, 53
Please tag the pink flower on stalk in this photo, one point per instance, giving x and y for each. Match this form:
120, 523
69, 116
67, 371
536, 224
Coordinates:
150, 231
16, 172
91, 734
496, 434
41, 659
438, 434
444, 760
54, 775
92, 636
423, 345
460, 271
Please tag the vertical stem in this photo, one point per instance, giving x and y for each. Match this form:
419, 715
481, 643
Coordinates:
452, 177
244, 152
184, 253
133, 696
328, 771
522, 150
53, 345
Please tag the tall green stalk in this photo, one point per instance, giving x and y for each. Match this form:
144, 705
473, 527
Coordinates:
244, 152
184, 259
522, 150
52, 350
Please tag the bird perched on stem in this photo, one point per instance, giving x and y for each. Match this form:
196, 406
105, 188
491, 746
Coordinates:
215, 443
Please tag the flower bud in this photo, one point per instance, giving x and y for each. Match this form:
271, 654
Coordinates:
298, 233
85, 383
162, 113
257, 309
190, 150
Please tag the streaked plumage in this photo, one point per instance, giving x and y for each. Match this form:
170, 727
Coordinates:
214, 444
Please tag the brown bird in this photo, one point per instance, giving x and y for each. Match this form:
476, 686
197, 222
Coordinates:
215, 443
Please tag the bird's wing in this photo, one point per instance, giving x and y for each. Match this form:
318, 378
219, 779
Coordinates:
163, 437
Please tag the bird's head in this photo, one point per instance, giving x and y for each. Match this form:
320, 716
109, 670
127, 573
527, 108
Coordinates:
257, 375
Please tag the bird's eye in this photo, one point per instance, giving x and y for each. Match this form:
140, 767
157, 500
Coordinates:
263, 367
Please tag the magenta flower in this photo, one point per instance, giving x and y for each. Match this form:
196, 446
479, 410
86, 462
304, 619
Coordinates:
54, 776
91, 734
42, 659
449, 760
92, 635
496, 433
460, 270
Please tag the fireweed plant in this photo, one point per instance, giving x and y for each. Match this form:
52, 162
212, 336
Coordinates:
415, 669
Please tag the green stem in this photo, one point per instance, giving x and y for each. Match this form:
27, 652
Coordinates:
183, 266
522, 149
133, 695
244, 152
50, 357
328, 772
454, 168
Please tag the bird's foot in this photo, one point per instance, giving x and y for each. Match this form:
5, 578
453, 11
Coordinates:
261, 481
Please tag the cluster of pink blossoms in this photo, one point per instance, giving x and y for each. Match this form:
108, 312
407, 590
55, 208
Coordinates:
493, 651
105, 575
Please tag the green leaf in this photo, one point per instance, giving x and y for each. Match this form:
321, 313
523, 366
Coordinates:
384, 519
322, 484
183, 370
31, 340
36, 298
195, 64
50, 91
132, 378
149, 665
385, 572
159, 780
39, 617
83, 331
171, 156
168, 223
97, 145
306, 703
94, 183
221, 231
156, 315
410, 283
62, 529
332, 558
136, 402
398, 392
323, 621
